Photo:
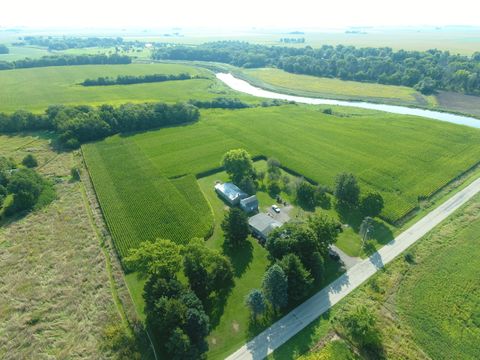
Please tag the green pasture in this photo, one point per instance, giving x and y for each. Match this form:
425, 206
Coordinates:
36, 88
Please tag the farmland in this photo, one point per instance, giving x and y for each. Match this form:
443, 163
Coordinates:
445, 152
425, 309
37, 88
144, 204
305, 85
141, 181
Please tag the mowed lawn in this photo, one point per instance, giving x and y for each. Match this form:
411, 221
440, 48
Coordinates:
35, 89
306, 85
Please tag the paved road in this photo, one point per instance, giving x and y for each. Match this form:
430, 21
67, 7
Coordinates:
276, 335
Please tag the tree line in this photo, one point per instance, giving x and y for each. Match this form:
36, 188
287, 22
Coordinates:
131, 79
66, 60
69, 42
4, 49
78, 124
427, 71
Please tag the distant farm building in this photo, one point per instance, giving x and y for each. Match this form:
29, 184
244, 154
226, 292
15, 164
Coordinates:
249, 204
262, 225
230, 193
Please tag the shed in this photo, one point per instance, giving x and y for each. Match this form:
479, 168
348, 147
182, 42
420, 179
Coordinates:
249, 204
230, 192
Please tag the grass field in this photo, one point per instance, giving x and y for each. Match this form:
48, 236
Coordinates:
425, 310
305, 85
56, 297
35, 89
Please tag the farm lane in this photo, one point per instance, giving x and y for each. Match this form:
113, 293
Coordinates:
281, 331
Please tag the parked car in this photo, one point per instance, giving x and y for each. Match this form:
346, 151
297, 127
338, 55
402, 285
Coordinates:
276, 208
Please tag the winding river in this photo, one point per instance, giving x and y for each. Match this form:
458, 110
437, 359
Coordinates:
245, 87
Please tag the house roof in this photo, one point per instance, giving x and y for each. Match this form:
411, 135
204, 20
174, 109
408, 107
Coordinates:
263, 223
230, 190
251, 201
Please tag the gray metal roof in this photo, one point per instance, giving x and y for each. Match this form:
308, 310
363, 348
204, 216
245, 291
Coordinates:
230, 190
250, 201
263, 223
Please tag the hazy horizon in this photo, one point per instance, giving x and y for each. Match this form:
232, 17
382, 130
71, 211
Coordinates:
211, 14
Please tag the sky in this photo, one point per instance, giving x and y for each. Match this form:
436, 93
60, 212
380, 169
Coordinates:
237, 14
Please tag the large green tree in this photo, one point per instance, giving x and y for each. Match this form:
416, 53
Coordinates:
238, 164
372, 204
26, 186
306, 195
235, 227
206, 269
275, 286
298, 278
160, 257
326, 231
347, 190
255, 301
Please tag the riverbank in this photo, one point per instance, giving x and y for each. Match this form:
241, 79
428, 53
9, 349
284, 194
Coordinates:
245, 87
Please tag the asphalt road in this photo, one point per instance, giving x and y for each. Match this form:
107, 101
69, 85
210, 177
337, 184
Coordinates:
281, 331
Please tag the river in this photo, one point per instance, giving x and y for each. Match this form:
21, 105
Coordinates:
245, 87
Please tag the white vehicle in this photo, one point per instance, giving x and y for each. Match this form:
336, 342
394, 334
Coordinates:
276, 208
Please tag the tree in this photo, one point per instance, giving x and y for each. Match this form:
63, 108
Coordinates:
298, 278
4, 49
178, 345
366, 229
3, 194
172, 310
255, 301
372, 204
275, 286
238, 164
326, 231
346, 189
30, 161
235, 227
360, 325
273, 169
301, 240
274, 188
206, 269
160, 257
248, 184
306, 195
26, 186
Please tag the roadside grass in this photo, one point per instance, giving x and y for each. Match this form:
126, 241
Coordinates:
334, 350
37, 88
312, 86
425, 308
56, 297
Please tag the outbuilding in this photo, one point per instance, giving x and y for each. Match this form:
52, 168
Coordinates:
249, 204
230, 192
261, 225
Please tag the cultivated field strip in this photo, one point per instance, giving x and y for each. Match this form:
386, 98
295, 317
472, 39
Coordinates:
138, 202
